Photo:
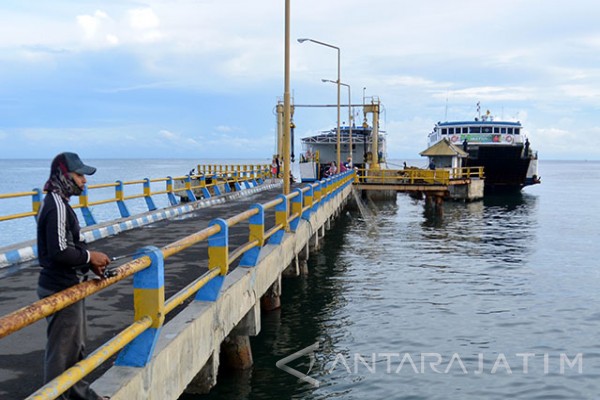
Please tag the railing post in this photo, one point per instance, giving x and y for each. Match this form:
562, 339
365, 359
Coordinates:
218, 257
170, 193
205, 191
281, 216
85, 209
36, 201
317, 196
148, 300
120, 200
259, 174
216, 185
308, 201
188, 189
147, 195
237, 181
296, 209
257, 232
226, 180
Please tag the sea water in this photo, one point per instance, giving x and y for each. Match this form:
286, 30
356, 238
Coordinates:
493, 299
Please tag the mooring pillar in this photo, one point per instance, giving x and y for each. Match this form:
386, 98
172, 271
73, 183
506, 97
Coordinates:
271, 300
206, 379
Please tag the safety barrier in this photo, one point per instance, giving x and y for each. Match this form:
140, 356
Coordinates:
137, 341
416, 176
219, 175
212, 176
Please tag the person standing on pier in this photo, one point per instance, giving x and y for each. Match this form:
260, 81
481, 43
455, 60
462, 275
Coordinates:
62, 255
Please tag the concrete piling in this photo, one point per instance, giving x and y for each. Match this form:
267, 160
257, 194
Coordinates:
206, 379
236, 352
271, 300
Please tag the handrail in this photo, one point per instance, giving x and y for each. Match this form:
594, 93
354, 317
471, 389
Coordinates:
227, 174
40, 309
443, 176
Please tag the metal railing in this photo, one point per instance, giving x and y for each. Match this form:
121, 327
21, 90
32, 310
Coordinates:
148, 266
416, 176
207, 181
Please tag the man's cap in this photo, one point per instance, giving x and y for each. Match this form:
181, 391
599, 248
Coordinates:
74, 164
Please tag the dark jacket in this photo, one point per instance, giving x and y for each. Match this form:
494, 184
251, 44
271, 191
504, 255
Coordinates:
60, 247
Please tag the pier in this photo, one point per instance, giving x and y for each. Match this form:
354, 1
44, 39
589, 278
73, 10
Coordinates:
192, 279
191, 296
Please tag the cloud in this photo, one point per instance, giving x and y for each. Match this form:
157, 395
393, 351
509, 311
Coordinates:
144, 22
98, 29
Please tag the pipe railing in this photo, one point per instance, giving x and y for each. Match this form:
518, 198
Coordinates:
148, 266
443, 176
217, 175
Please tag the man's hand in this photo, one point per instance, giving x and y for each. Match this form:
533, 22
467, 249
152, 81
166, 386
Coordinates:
99, 262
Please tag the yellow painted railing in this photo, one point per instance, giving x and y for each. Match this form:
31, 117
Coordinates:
415, 176
289, 209
208, 179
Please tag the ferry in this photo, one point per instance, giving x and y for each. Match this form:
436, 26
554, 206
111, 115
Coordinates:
500, 147
318, 151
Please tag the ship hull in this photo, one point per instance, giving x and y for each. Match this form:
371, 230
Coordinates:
505, 168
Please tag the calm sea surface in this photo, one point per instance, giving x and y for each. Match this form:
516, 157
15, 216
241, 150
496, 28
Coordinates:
495, 299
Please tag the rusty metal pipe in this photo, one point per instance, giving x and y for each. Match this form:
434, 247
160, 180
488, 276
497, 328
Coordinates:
40, 309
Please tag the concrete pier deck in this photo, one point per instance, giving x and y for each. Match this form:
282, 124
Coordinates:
21, 354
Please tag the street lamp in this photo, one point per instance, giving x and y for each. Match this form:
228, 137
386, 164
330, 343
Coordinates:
286, 104
302, 40
349, 113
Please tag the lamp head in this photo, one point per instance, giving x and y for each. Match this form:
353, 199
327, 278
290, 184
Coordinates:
302, 40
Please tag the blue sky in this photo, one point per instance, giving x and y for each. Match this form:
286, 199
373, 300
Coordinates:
200, 79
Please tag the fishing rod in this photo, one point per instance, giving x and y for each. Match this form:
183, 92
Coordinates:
122, 256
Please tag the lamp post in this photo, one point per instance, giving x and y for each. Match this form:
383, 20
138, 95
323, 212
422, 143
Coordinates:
349, 114
338, 88
286, 104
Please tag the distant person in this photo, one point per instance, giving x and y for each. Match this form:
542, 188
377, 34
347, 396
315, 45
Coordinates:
348, 163
404, 165
431, 165
332, 170
527, 147
62, 254
274, 168
465, 145
278, 164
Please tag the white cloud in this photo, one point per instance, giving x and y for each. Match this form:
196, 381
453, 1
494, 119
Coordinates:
98, 29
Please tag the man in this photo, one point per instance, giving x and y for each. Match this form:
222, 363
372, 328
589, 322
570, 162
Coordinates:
63, 257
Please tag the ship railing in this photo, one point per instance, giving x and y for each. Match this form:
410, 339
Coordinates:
229, 176
411, 176
148, 270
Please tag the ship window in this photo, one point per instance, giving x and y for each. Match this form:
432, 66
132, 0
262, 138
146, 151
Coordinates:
496, 130
487, 129
450, 131
444, 131
465, 129
510, 131
517, 131
475, 129
502, 130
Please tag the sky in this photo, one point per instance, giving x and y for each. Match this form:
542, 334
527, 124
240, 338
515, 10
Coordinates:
200, 79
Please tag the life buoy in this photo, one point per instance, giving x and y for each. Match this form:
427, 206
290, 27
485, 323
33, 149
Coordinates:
454, 138
508, 138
